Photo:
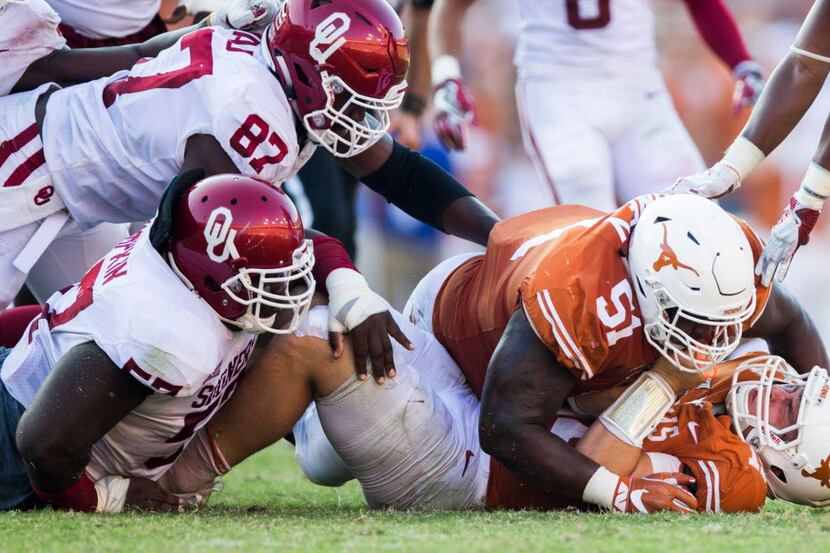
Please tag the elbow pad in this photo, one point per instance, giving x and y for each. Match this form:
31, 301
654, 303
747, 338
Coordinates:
416, 185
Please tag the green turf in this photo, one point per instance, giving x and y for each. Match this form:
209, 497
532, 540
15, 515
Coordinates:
267, 506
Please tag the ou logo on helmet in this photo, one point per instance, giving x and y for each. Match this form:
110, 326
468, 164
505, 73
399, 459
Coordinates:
329, 33
218, 232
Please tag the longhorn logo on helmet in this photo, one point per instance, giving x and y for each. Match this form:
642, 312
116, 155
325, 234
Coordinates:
218, 232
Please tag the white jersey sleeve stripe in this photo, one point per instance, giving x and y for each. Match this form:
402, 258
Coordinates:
716, 486
582, 361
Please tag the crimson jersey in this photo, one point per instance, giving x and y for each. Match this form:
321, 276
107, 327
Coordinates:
566, 267
728, 474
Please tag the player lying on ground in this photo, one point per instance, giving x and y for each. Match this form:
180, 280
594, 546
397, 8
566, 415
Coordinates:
229, 101
107, 387
696, 437
792, 88
758, 405
412, 443
570, 300
33, 52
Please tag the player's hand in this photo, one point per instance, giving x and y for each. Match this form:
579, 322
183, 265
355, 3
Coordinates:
406, 128
681, 381
146, 495
749, 83
356, 309
454, 110
789, 233
246, 15
661, 491
719, 180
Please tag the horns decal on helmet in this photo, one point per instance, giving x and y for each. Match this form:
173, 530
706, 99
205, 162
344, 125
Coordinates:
669, 258
218, 232
329, 33
822, 473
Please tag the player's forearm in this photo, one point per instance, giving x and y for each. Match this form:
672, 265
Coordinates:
418, 78
535, 455
788, 95
445, 22
718, 28
602, 447
800, 344
470, 219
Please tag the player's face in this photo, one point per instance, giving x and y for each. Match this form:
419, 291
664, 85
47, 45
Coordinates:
784, 403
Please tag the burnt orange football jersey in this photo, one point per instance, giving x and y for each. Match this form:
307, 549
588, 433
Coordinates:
565, 266
728, 474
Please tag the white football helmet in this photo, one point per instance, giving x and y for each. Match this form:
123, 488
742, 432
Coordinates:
798, 468
693, 272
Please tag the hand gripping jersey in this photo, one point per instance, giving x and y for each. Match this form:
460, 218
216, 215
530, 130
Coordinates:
28, 32
728, 474
140, 314
585, 37
128, 132
566, 267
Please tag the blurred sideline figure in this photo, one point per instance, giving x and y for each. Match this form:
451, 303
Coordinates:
596, 117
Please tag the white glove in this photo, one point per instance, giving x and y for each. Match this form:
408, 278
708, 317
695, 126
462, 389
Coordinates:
788, 234
246, 15
722, 178
351, 301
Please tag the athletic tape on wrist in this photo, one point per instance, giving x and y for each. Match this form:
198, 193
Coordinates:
743, 156
445, 68
639, 409
815, 187
601, 487
112, 494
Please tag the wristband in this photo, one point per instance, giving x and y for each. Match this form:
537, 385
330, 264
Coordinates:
445, 68
810, 55
112, 494
815, 187
601, 487
639, 409
743, 156
663, 462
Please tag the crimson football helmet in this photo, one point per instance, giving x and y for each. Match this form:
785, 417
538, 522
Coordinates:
346, 63
239, 244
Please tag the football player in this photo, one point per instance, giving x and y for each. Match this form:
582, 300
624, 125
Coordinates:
33, 52
107, 387
411, 443
228, 101
597, 120
569, 300
793, 86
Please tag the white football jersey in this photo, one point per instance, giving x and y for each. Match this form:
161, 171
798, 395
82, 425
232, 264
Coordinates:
142, 316
585, 37
113, 145
28, 32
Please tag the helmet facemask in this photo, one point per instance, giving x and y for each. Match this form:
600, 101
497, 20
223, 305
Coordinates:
265, 290
794, 456
669, 332
334, 129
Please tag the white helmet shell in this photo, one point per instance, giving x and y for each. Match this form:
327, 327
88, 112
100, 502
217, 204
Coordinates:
798, 467
693, 272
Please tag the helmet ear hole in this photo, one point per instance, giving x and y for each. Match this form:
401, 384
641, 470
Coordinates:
778, 473
301, 75
211, 284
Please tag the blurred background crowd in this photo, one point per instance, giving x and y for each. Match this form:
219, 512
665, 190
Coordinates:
395, 251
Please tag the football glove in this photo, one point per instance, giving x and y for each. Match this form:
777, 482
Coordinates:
245, 15
789, 233
719, 180
454, 111
661, 491
748, 85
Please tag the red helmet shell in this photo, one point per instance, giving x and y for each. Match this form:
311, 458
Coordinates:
227, 223
361, 41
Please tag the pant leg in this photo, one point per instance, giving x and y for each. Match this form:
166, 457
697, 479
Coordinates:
568, 151
655, 149
71, 255
15, 490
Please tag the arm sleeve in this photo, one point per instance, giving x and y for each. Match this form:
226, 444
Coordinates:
718, 28
416, 185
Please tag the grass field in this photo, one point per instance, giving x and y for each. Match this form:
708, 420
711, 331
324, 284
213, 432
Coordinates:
268, 506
